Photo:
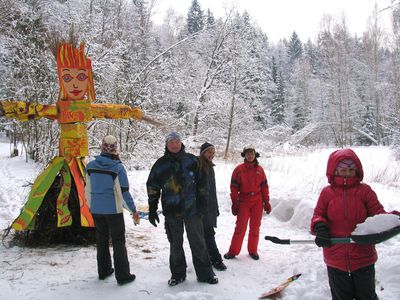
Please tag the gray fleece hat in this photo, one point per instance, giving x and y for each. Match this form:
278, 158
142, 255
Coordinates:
173, 135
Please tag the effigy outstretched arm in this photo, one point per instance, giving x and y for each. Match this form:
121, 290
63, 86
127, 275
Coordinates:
115, 111
26, 111
120, 111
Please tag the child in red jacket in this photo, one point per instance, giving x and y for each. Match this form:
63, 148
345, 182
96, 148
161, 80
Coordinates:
343, 204
249, 195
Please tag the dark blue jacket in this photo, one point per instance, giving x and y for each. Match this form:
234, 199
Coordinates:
177, 178
107, 186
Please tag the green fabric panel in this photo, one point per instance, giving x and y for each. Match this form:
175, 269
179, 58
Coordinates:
39, 189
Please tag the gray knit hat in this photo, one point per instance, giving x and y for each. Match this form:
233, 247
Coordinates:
173, 135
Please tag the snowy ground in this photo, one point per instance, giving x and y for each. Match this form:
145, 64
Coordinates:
295, 180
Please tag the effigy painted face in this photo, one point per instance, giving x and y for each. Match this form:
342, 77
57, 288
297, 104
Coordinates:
75, 75
75, 82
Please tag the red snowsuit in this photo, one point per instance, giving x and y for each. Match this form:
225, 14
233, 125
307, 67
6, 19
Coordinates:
342, 205
249, 194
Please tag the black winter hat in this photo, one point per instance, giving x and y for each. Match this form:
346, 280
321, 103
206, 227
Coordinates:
205, 147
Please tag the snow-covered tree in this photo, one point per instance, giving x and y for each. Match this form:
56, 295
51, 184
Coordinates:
278, 98
209, 78
195, 18
295, 48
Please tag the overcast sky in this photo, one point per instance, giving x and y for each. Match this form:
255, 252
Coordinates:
279, 18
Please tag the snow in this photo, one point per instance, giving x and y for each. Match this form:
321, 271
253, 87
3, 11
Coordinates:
295, 179
376, 224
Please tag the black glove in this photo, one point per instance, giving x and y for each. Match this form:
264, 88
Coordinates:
323, 235
153, 217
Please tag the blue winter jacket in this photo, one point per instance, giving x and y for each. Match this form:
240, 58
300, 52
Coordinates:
178, 180
107, 186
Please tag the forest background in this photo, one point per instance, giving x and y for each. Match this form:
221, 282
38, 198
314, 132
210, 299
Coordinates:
215, 79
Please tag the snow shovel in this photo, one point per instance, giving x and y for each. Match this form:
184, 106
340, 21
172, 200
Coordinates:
366, 239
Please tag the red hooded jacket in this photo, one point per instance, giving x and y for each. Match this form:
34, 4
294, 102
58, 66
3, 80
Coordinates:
342, 205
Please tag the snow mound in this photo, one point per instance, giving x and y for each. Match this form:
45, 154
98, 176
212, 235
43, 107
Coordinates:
377, 224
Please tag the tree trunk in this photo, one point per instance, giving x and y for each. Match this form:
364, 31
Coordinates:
231, 117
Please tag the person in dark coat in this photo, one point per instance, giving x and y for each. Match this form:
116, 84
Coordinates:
177, 179
207, 153
341, 205
107, 193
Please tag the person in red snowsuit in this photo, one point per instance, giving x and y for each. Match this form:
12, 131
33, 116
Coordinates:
249, 195
341, 205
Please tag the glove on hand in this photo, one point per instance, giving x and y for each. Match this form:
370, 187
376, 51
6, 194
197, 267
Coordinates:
323, 235
136, 218
267, 207
235, 208
153, 217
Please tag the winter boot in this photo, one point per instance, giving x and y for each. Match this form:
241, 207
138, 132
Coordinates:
229, 255
104, 276
176, 280
211, 280
254, 256
219, 265
129, 279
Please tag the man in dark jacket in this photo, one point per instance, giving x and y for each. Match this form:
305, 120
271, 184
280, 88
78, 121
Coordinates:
176, 177
207, 153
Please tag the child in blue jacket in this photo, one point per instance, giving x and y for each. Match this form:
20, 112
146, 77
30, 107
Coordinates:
107, 193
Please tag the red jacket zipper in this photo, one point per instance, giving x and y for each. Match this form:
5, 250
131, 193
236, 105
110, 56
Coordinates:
345, 219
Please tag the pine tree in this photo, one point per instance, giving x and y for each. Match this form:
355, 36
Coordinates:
311, 53
367, 126
278, 100
210, 20
299, 121
195, 18
295, 48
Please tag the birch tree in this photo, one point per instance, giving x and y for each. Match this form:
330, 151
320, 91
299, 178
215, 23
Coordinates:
372, 42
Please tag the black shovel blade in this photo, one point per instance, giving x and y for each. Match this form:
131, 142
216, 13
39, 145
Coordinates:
376, 238
276, 240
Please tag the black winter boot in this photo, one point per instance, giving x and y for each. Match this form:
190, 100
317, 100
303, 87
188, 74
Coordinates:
176, 280
104, 276
229, 255
129, 279
254, 256
211, 280
219, 265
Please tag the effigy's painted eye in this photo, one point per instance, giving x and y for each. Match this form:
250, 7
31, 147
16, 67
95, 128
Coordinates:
67, 77
82, 77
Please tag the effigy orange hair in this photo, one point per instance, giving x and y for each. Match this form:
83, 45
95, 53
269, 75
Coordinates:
70, 57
